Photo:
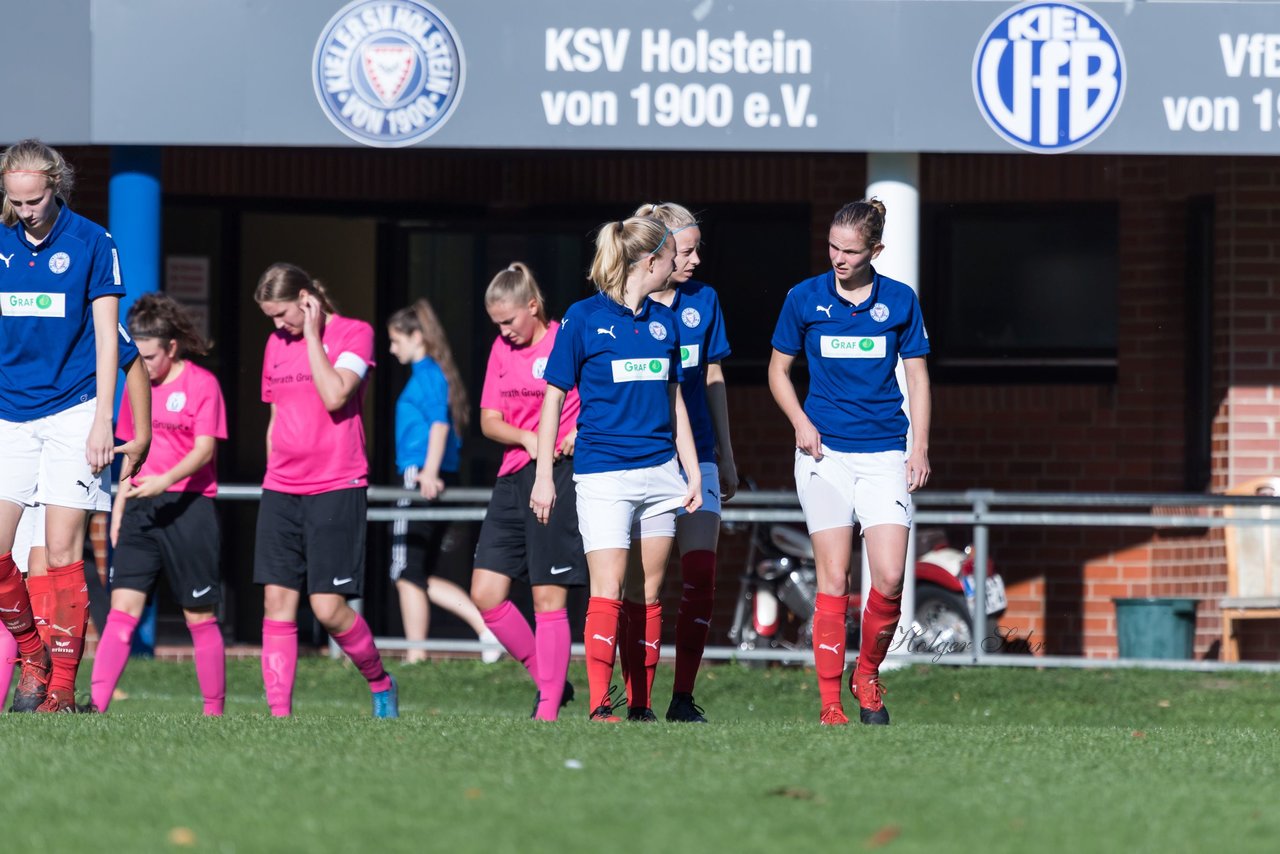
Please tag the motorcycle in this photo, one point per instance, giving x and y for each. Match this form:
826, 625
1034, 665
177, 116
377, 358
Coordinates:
779, 587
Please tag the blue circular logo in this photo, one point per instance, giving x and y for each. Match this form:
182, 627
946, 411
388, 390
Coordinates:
1049, 77
388, 73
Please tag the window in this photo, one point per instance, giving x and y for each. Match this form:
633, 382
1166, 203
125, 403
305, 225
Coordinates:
1022, 293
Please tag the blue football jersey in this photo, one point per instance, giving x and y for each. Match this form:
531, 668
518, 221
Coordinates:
48, 359
854, 400
700, 328
623, 365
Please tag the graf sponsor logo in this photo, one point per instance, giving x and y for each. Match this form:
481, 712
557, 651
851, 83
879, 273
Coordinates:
1049, 77
388, 73
639, 370
689, 355
853, 347
34, 305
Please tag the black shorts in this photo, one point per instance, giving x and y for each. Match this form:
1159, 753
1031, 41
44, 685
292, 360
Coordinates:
176, 532
418, 545
512, 542
312, 543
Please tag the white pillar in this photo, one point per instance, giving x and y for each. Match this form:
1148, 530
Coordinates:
894, 178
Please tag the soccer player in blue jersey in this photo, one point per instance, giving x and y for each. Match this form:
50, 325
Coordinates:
621, 351
29, 553
703, 344
59, 316
432, 413
852, 459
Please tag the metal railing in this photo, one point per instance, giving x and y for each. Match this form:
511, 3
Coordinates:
979, 509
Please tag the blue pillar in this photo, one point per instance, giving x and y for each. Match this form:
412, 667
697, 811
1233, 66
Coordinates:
134, 218
134, 221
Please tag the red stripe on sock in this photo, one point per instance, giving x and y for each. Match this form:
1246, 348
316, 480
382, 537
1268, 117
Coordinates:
18, 618
879, 626
600, 635
67, 621
693, 620
631, 651
829, 645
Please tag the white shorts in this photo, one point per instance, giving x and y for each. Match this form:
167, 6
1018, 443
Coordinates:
43, 462
611, 502
710, 489
842, 489
30, 535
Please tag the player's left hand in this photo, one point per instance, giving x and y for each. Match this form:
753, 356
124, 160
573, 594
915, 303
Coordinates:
917, 470
429, 487
693, 496
101, 447
148, 486
135, 454
566, 446
728, 478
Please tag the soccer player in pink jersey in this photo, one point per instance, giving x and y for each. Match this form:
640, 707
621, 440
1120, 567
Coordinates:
512, 544
164, 518
312, 521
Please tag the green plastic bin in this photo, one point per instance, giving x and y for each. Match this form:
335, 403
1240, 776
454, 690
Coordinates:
1156, 628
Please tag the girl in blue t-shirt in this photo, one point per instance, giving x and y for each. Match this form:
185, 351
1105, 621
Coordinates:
431, 414
58, 358
852, 460
703, 344
621, 351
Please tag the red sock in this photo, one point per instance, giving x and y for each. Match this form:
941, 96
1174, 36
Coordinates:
829, 645
631, 638
879, 626
600, 635
67, 621
693, 620
41, 603
15, 607
652, 647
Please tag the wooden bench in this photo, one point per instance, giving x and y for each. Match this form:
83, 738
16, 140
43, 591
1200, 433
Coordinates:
1253, 567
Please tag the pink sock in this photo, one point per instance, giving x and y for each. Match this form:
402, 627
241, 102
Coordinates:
279, 664
211, 665
512, 629
8, 652
357, 643
111, 657
553, 661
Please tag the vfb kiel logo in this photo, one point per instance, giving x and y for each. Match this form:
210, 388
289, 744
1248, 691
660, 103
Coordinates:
1049, 77
388, 73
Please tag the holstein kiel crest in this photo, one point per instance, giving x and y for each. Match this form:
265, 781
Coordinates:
1049, 76
388, 73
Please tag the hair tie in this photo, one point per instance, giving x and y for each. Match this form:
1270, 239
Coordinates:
512, 269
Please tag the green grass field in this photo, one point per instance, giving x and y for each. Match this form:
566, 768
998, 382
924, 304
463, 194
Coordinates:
977, 760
